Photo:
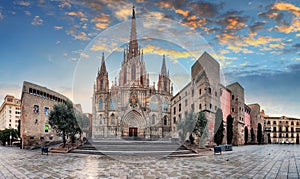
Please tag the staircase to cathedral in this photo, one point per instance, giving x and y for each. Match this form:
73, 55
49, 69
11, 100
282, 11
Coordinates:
133, 148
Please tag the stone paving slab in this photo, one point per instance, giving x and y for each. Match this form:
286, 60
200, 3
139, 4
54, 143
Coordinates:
264, 161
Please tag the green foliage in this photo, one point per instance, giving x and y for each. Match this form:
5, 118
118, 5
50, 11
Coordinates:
246, 135
219, 127
5, 135
229, 129
185, 127
259, 133
193, 123
62, 119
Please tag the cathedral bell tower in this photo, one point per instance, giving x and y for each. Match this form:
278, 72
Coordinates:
102, 78
163, 79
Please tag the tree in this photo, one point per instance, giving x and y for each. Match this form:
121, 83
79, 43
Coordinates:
246, 135
62, 119
252, 135
259, 133
193, 124
201, 129
185, 127
229, 129
219, 127
5, 135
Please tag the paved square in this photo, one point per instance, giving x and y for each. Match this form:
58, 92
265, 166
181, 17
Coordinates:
265, 161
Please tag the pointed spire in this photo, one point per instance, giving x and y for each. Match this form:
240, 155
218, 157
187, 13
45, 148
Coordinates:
133, 12
103, 66
133, 44
163, 67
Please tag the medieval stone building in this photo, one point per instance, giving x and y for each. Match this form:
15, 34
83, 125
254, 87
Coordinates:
132, 108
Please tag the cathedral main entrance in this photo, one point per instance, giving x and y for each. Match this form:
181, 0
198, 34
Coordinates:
133, 132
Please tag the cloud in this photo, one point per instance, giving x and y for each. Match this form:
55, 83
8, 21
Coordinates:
205, 9
65, 3
233, 22
58, 27
103, 18
276, 45
175, 54
256, 27
293, 27
1, 16
37, 21
101, 25
238, 49
28, 13
101, 47
194, 22
282, 6
23, 3
182, 12
78, 35
78, 14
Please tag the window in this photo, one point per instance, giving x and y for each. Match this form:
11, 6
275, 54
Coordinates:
210, 105
153, 103
174, 110
274, 122
133, 72
36, 109
165, 121
200, 91
46, 128
192, 106
174, 120
101, 104
112, 119
192, 92
165, 104
186, 102
46, 111
232, 109
179, 107
292, 123
101, 119
200, 106
153, 119
112, 103
209, 90
232, 97
268, 122
216, 94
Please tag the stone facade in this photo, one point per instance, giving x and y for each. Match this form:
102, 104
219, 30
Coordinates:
36, 104
256, 119
237, 113
10, 112
282, 129
131, 109
201, 94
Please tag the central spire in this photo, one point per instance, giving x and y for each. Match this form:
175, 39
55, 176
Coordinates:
133, 44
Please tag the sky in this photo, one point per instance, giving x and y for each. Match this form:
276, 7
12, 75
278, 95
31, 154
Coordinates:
59, 43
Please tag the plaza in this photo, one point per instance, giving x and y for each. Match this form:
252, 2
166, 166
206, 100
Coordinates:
252, 161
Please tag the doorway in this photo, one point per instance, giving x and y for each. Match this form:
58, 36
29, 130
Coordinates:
133, 131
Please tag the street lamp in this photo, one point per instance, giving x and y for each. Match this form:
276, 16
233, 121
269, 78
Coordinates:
10, 137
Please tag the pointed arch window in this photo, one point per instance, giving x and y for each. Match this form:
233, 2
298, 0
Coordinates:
112, 103
153, 103
125, 75
101, 84
133, 72
153, 119
101, 104
101, 119
113, 119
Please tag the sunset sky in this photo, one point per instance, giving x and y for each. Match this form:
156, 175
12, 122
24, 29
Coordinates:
59, 43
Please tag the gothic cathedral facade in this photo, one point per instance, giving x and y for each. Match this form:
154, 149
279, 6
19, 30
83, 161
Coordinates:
132, 109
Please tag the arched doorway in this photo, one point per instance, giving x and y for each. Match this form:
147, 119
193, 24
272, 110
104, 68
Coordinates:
229, 129
133, 125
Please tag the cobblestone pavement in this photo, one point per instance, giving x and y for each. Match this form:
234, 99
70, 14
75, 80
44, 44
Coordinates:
265, 161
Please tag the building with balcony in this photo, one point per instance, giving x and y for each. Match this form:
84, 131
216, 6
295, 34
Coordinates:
10, 112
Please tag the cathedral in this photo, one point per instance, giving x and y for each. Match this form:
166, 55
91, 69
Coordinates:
132, 109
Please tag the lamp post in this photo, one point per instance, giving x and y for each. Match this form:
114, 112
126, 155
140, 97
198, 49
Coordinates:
10, 137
